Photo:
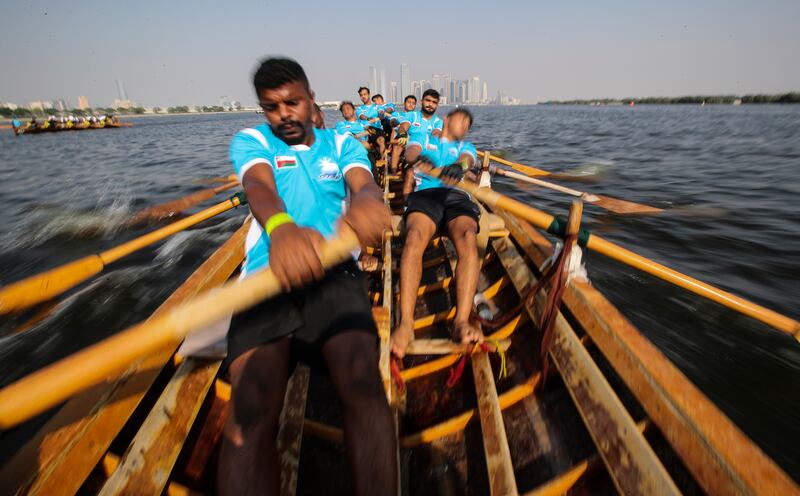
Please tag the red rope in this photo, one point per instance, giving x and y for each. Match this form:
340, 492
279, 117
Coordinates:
394, 366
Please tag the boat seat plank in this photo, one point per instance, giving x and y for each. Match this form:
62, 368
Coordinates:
722, 459
495, 442
445, 346
631, 462
148, 462
290, 433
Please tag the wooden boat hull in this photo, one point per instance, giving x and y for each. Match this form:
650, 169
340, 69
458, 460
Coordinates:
611, 415
53, 129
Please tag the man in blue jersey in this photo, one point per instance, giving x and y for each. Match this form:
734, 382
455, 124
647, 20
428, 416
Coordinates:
368, 113
401, 138
439, 207
385, 111
352, 125
297, 179
424, 119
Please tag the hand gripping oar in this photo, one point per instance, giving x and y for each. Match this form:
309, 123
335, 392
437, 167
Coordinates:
113, 356
42, 287
612, 204
556, 226
165, 210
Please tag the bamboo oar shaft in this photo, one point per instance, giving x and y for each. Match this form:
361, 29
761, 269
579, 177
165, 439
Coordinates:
539, 182
173, 207
51, 385
524, 168
543, 220
47, 285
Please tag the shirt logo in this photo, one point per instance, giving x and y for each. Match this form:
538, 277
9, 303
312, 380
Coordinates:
287, 162
416, 124
329, 170
431, 147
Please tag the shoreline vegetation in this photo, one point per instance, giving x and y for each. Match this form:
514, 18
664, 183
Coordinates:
791, 97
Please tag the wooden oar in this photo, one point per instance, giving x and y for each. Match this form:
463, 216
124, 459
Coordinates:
168, 209
612, 204
526, 169
51, 385
545, 221
47, 285
212, 180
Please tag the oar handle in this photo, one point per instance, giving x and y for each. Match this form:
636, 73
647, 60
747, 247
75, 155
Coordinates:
543, 220
109, 358
527, 169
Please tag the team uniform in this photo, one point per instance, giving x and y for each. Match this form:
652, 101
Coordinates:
420, 123
352, 127
439, 201
310, 182
370, 112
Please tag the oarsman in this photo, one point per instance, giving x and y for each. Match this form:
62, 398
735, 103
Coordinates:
297, 179
318, 117
368, 112
352, 125
385, 111
399, 139
436, 207
424, 119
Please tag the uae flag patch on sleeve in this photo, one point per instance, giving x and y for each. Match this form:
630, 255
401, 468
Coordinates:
285, 162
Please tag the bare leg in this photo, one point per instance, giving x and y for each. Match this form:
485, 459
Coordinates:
397, 151
249, 459
463, 232
352, 359
419, 231
408, 182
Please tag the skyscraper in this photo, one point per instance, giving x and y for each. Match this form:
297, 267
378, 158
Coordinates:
123, 95
475, 90
83, 103
373, 80
405, 81
441, 83
382, 89
393, 92
485, 93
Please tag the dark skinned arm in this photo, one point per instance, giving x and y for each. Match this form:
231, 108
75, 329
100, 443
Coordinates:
293, 251
368, 215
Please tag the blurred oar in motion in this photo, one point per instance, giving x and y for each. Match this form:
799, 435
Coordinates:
47, 285
585, 173
611, 204
170, 208
214, 180
53, 384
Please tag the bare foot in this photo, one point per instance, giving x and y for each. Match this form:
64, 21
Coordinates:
466, 332
401, 337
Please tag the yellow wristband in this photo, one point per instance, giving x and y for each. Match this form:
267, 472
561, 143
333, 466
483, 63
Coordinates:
276, 221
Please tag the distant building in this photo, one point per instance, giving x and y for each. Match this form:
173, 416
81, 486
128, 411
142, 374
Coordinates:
475, 90
485, 93
373, 80
40, 105
123, 95
382, 89
83, 103
124, 104
61, 105
441, 83
405, 81
9, 105
393, 96
415, 90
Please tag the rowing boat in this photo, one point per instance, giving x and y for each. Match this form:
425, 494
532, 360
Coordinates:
610, 413
77, 127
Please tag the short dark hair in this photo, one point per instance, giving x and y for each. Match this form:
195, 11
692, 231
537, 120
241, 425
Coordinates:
377, 95
412, 97
431, 92
362, 88
316, 107
346, 103
274, 72
463, 111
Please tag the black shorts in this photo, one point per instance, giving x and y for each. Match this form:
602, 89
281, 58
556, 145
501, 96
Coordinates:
310, 316
442, 205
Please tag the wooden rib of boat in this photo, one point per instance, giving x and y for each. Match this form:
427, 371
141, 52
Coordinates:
76, 127
613, 414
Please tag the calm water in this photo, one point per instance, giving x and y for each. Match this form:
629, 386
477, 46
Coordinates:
728, 177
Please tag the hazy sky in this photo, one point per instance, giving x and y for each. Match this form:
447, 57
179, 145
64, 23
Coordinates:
181, 52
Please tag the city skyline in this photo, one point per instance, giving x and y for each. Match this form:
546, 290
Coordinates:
579, 50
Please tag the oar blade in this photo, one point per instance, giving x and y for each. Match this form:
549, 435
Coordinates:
47, 285
621, 206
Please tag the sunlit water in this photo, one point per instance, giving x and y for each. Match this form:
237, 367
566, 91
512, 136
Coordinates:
727, 177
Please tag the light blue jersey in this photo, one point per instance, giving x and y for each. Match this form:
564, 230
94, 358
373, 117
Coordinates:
371, 112
420, 123
387, 110
354, 127
440, 152
310, 181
